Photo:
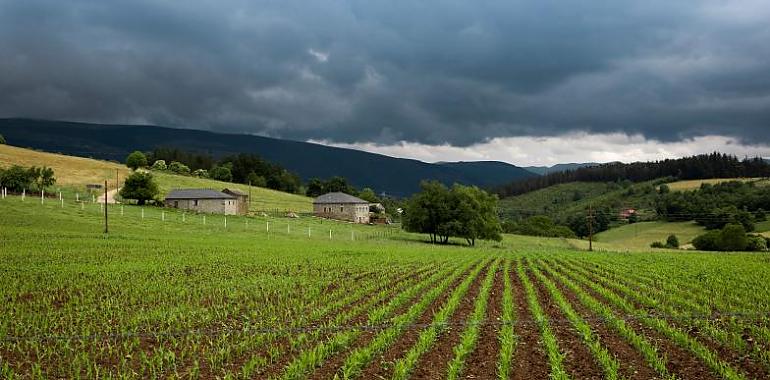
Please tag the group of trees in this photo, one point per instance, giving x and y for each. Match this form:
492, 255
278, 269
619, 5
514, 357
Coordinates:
715, 165
17, 178
732, 237
714, 206
316, 187
465, 212
242, 168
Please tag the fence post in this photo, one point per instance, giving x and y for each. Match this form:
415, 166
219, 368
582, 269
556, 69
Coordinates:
163, 216
142, 212
204, 220
77, 197
330, 234
23, 194
267, 226
225, 221
308, 232
42, 196
183, 214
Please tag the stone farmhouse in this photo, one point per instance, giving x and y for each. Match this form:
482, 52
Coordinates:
203, 200
342, 206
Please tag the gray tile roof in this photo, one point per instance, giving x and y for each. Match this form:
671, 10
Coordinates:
338, 198
197, 194
234, 192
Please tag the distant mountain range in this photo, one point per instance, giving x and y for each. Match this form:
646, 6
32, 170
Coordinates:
384, 174
543, 170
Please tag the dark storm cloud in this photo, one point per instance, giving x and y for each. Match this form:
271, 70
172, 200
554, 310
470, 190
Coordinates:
385, 71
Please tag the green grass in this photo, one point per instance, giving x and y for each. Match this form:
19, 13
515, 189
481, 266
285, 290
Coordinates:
696, 183
639, 236
763, 226
178, 298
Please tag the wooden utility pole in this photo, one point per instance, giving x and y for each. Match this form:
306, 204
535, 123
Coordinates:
248, 205
106, 226
590, 221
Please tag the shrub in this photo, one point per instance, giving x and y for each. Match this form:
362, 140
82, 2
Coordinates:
136, 160
159, 165
657, 244
179, 168
707, 242
756, 243
733, 238
672, 241
201, 173
2, 140
664, 189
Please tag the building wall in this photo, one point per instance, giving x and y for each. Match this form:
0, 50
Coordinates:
211, 206
358, 213
242, 207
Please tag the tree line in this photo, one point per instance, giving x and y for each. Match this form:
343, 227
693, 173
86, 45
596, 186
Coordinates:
18, 178
714, 206
245, 168
714, 165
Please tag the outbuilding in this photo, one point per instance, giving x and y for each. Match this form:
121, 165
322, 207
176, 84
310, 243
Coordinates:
242, 200
202, 200
342, 206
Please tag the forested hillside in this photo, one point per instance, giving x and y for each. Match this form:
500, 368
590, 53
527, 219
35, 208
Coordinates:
715, 165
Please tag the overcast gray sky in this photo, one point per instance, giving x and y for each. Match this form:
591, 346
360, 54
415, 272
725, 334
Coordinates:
528, 82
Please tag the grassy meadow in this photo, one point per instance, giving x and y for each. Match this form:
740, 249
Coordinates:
167, 296
639, 236
696, 183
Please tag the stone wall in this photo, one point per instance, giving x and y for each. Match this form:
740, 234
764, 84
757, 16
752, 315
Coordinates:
211, 206
358, 213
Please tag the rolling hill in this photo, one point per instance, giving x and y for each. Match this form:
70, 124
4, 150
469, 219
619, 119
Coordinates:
74, 173
393, 176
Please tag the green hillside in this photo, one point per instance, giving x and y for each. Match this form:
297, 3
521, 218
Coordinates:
74, 173
262, 199
639, 236
561, 201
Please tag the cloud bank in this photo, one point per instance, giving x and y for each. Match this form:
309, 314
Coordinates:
378, 73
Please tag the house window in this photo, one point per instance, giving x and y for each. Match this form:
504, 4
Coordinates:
342, 209
195, 202
176, 204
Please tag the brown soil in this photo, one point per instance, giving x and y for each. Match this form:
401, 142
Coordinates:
632, 364
287, 355
680, 361
579, 362
749, 365
382, 367
333, 365
482, 363
530, 360
435, 363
